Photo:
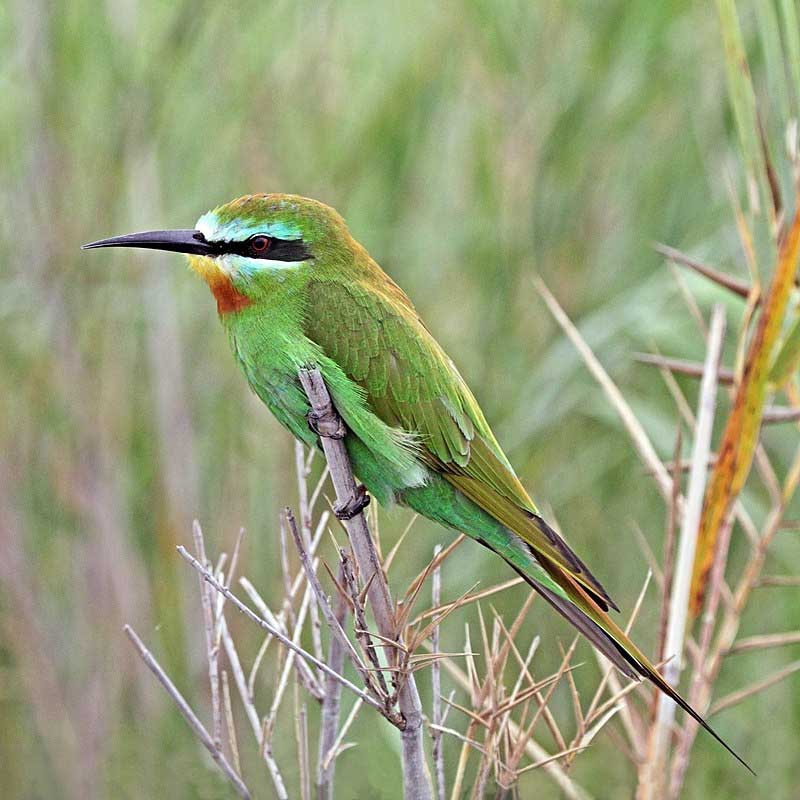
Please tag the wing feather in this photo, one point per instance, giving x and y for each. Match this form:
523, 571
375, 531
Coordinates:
375, 335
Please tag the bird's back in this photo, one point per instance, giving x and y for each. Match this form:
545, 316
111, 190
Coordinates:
370, 328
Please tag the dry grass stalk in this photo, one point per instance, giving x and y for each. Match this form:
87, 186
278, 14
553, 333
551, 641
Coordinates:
233, 741
726, 598
635, 429
679, 596
330, 706
302, 468
301, 734
188, 714
740, 438
212, 651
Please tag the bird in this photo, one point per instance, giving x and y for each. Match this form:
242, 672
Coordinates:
294, 289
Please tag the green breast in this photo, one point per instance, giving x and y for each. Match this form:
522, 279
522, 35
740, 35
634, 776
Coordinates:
270, 355
271, 350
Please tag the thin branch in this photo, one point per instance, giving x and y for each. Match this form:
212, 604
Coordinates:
188, 714
284, 640
742, 694
279, 621
333, 624
305, 526
331, 706
436, 683
252, 714
337, 748
764, 642
362, 630
738, 287
416, 785
301, 734
777, 580
291, 662
694, 369
779, 414
679, 601
208, 627
233, 742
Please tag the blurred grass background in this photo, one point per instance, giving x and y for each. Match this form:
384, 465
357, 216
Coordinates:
468, 144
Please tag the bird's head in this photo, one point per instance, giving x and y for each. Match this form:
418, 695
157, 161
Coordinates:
247, 248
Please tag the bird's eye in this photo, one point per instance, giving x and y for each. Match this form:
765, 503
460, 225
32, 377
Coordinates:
259, 245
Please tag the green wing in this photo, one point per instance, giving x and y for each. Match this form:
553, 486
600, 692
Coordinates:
374, 334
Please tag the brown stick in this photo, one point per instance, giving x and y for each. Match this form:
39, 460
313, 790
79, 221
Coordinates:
273, 631
415, 776
187, 712
330, 706
735, 285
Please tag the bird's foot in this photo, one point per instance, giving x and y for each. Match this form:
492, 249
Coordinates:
329, 426
355, 505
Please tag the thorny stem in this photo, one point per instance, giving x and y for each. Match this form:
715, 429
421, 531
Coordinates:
362, 632
336, 629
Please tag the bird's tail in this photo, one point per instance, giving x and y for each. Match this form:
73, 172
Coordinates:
580, 610
535, 551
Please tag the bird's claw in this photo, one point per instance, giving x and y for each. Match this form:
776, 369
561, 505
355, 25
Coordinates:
355, 505
329, 426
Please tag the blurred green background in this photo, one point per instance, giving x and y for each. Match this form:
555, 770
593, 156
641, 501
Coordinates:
469, 145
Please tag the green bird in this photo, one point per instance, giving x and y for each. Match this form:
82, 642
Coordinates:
294, 288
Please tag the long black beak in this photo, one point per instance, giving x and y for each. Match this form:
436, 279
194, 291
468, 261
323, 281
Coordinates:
174, 241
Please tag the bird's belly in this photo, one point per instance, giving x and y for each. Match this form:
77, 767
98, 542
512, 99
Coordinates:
272, 372
284, 397
272, 375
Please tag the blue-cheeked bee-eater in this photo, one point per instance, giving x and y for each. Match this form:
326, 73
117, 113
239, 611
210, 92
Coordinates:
294, 288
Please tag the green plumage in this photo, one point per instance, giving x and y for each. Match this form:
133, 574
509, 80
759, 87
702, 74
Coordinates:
416, 435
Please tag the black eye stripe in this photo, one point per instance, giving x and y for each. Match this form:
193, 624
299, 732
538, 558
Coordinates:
278, 249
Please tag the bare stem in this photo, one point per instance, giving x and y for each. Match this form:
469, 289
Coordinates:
208, 626
188, 714
436, 682
284, 640
330, 706
306, 510
416, 785
336, 629
679, 600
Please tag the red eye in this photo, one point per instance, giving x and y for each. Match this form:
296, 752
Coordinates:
260, 244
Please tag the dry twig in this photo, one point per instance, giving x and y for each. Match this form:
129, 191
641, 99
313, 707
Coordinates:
188, 714
416, 785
